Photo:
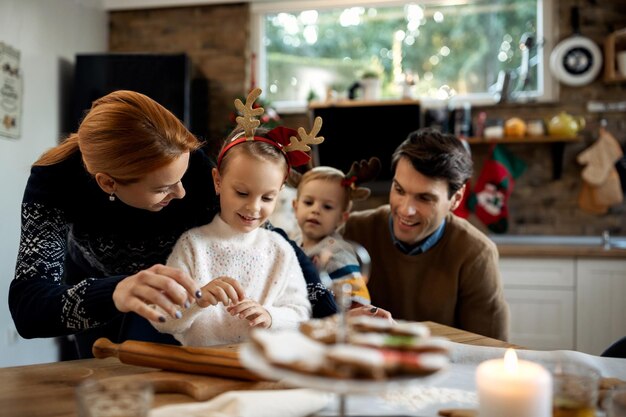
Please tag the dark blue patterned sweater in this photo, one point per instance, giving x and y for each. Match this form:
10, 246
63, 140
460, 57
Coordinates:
76, 245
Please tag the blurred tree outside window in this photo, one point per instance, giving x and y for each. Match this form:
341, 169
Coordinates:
439, 49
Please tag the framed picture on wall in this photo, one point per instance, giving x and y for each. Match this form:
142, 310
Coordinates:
10, 92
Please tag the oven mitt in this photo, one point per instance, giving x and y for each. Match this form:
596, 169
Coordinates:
600, 158
609, 193
601, 186
620, 166
587, 202
598, 199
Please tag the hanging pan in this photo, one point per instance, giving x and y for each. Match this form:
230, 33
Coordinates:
576, 60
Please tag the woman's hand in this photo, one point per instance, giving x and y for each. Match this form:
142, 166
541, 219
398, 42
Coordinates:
160, 285
221, 290
252, 311
370, 311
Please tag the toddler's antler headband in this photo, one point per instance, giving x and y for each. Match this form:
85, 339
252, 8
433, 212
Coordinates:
293, 148
359, 173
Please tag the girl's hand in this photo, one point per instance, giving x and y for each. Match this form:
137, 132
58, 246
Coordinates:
221, 290
160, 285
252, 311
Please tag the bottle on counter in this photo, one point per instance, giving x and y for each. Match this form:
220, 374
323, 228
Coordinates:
461, 119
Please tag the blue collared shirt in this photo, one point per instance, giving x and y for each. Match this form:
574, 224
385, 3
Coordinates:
421, 247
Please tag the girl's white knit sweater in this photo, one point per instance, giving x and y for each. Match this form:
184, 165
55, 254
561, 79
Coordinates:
264, 264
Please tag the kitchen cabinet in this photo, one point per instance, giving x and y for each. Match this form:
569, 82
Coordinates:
600, 303
541, 298
573, 303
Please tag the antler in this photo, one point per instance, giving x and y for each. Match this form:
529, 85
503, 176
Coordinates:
248, 119
306, 138
364, 170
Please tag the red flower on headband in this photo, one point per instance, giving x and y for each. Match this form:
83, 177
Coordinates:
282, 135
349, 181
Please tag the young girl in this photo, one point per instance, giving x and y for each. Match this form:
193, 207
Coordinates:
249, 275
323, 204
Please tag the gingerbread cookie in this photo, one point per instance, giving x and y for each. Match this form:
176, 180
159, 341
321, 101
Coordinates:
290, 349
322, 330
376, 348
357, 362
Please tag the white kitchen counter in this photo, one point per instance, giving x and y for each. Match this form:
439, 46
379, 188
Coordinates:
560, 246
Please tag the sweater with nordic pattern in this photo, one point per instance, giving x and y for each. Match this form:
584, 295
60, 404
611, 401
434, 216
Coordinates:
76, 246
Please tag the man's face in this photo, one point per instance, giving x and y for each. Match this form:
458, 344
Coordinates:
418, 203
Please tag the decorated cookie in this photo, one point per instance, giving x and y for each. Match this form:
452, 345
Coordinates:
382, 325
415, 363
370, 324
357, 361
410, 328
413, 343
322, 330
376, 348
290, 349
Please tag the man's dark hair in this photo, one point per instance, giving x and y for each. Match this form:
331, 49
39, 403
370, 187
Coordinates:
436, 155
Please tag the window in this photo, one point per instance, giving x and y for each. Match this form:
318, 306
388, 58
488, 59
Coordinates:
437, 49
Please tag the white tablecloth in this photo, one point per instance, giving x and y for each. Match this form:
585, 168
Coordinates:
456, 388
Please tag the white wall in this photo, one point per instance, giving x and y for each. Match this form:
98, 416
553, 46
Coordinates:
48, 33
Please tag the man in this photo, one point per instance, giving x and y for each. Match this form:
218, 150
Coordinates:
427, 263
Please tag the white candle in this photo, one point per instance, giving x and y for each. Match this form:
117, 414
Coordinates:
512, 388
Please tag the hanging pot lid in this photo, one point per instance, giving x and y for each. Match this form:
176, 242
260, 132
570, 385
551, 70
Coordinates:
576, 60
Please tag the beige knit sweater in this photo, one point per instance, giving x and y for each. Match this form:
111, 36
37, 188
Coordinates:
457, 282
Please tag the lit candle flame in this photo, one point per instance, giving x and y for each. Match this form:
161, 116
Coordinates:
510, 361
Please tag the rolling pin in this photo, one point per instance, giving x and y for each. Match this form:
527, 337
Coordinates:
196, 360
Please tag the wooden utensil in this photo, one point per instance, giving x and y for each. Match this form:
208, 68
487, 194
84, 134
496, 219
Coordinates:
198, 387
215, 361
458, 412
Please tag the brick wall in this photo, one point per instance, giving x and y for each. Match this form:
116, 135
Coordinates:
216, 38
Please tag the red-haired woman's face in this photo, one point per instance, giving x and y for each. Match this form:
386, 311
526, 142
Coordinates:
155, 190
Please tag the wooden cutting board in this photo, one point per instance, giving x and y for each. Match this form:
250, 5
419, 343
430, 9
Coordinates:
198, 387
200, 373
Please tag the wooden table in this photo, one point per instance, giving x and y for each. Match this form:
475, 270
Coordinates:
47, 390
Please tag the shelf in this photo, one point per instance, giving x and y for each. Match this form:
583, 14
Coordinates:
557, 150
362, 103
613, 43
522, 140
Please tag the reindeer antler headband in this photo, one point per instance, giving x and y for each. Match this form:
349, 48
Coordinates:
293, 147
360, 172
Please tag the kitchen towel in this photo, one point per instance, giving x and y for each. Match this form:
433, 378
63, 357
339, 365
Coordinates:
261, 403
